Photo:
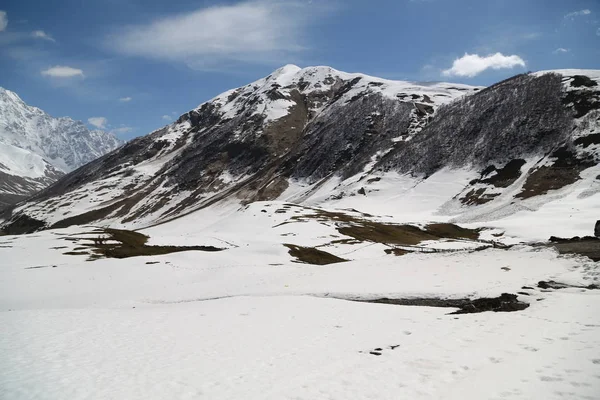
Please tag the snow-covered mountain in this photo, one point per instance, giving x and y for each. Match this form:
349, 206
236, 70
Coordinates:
318, 136
36, 148
347, 280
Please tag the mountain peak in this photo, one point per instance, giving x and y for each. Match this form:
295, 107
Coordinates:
286, 70
36, 148
8, 95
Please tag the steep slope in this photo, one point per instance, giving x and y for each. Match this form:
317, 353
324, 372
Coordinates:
36, 148
525, 149
303, 123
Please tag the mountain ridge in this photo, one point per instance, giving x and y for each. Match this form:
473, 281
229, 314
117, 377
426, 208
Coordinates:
315, 126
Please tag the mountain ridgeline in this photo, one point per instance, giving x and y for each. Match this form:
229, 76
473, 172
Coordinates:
315, 125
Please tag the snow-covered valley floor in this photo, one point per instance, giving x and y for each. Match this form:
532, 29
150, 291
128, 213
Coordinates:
249, 322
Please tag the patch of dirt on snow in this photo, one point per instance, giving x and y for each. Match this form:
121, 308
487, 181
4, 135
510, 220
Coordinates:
506, 302
310, 255
128, 244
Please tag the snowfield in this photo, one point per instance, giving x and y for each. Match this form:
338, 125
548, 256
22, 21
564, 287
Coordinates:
250, 322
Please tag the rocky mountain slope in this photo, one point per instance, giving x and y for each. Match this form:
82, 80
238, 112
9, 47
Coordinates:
36, 148
318, 136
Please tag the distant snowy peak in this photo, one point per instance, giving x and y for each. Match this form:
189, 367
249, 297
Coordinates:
65, 143
36, 149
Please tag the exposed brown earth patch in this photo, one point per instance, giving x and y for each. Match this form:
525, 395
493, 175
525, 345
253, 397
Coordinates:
128, 244
310, 255
506, 302
559, 285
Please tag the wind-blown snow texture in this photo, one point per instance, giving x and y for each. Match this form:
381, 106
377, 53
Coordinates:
37, 148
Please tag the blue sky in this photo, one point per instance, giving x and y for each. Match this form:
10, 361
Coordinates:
131, 66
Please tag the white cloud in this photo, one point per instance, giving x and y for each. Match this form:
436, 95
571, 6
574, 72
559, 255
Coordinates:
598, 32
98, 122
60, 71
42, 35
167, 117
578, 13
125, 99
3, 20
560, 50
257, 30
471, 65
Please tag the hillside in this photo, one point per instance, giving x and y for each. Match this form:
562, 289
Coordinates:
317, 136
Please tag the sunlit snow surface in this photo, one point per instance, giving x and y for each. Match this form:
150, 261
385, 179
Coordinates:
250, 323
